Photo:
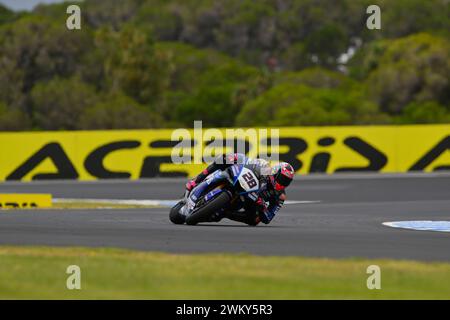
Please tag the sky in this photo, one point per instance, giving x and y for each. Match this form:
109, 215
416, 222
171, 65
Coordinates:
27, 4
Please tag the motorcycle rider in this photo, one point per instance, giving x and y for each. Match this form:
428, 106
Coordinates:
273, 182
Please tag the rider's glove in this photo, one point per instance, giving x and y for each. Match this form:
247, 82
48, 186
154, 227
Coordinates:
190, 185
260, 203
262, 211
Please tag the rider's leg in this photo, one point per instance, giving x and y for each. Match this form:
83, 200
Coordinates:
220, 163
213, 167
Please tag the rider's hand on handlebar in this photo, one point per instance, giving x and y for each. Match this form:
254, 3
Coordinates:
261, 203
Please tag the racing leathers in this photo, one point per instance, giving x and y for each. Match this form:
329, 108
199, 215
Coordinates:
268, 202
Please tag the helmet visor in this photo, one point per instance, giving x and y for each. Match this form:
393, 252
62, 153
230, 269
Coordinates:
283, 180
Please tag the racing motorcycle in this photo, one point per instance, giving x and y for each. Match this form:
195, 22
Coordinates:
240, 185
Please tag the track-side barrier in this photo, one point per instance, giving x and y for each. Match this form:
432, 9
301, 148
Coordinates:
135, 154
25, 201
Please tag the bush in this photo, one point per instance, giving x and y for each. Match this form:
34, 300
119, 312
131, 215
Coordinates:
139, 70
202, 85
316, 78
42, 48
6, 15
118, 112
411, 69
13, 119
268, 62
425, 112
290, 105
59, 103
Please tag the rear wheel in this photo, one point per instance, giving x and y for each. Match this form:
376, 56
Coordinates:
204, 213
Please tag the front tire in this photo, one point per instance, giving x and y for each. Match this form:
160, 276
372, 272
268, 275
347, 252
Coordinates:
175, 215
202, 214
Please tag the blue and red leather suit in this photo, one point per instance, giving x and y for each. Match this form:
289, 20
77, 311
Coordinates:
268, 202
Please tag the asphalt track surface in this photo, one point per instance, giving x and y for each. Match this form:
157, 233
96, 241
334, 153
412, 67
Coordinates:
346, 223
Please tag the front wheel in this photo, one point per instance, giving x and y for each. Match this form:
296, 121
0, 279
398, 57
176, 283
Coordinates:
202, 214
175, 215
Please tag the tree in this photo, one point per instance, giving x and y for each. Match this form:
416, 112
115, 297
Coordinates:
411, 69
12, 119
265, 62
109, 13
326, 44
203, 84
128, 62
55, 12
316, 78
407, 17
256, 31
11, 82
118, 112
162, 17
424, 112
6, 15
59, 103
142, 72
34, 49
290, 104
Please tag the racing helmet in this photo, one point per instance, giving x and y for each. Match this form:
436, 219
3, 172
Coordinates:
282, 175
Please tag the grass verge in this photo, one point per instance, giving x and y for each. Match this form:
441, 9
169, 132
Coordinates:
40, 273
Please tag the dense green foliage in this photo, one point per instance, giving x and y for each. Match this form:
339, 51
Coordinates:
166, 63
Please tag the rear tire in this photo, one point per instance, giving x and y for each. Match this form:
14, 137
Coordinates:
175, 216
203, 214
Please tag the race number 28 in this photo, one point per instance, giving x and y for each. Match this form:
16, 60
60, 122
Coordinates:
250, 179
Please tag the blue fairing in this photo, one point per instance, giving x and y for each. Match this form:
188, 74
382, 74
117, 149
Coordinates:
212, 194
236, 172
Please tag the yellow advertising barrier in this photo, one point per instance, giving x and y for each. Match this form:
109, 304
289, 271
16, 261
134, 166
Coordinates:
133, 154
23, 201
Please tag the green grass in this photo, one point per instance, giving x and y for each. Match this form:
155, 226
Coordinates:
40, 273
